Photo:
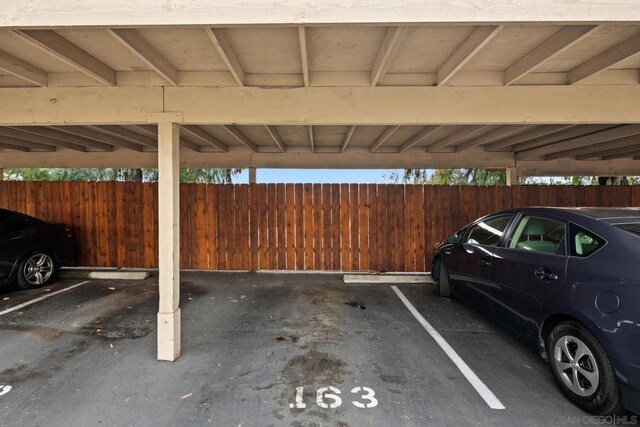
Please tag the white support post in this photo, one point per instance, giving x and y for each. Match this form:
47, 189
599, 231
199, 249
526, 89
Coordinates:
169, 239
512, 176
252, 176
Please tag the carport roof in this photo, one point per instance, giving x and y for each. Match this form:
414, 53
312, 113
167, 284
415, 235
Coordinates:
537, 88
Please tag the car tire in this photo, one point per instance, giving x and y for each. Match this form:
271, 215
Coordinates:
444, 285
36, 270
582, 369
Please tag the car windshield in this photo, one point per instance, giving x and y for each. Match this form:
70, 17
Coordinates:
633, 227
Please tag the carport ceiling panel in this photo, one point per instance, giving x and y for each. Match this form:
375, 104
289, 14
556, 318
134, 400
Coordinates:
364, 135
511, 44
8, 80
631, 63
343, 48
258, 135
425, 49
329, 136
100, 44
262, 50
294, 136
20, 48
222, 135
188, 49
600, 40
400, 136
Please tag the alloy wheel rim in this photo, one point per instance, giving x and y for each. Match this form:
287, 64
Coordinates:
576, 365
38, 269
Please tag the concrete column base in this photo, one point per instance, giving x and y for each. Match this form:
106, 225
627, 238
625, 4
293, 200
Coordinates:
169, 335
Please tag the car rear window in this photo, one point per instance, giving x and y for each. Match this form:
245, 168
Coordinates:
584, 242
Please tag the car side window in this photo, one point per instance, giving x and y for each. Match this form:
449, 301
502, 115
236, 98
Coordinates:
583, 241
12, 223
488, 232
538, 234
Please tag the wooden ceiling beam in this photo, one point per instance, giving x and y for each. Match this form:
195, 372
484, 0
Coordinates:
61, 48
93, 135
611, 148
9, 146
492, 136
241, 137
597, 148
199, 134
347, 138
29, 145
460, 135
127, 135
227, 54
304, 54
467, 50
40, 135
562, 149
275, 136
605, 60
17, 67
383, 138
418, 137
535, 132
139, 46
559, 42
391, 43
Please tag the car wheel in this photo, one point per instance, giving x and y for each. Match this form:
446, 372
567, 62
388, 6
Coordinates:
444, 285
583, 370
36, 270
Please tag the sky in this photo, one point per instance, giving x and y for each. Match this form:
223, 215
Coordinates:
313, 176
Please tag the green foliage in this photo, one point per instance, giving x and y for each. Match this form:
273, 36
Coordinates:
480, 177
111, 174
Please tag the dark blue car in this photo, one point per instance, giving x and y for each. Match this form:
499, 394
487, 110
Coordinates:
567, 281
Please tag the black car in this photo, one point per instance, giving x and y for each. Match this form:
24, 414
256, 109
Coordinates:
31, 250
565, 280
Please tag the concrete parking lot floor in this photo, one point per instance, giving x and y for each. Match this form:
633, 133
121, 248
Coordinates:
263, 349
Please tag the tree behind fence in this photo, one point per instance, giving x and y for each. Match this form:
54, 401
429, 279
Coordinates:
383, 227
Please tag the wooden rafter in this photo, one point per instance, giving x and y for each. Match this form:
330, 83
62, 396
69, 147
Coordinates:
418, 137
460, 135
139, 46
535, 132
220, 42
347, 138
127, 135
383, 138
9, 146
312, 139
29, 145
56, 45
610, 148
392, 41
489, 137
240, 137
196, 132
563, 149
17, 67
93, 135
467, 50
304, 54
562, 135
275, 136
151, 131
41, 135
557, 43
605, 60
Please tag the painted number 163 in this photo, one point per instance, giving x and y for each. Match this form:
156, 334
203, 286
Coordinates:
329, 397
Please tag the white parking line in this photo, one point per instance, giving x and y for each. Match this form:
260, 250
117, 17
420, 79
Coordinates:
44, 297
473, 379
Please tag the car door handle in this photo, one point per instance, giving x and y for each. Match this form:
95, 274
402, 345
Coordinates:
485, 262
544, 274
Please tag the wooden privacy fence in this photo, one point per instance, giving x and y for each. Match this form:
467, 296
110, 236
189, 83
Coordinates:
282, 226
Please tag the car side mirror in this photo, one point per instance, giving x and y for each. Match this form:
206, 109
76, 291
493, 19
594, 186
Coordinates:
453, 239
